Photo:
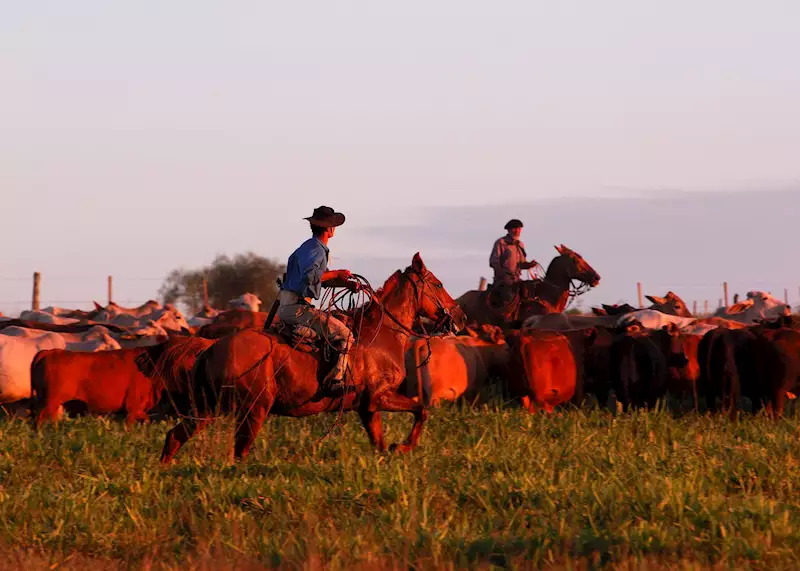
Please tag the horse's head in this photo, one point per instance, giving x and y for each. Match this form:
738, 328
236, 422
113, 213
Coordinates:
578, 268
433, 301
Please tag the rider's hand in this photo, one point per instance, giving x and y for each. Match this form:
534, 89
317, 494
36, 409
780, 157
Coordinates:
344, 274
353, 285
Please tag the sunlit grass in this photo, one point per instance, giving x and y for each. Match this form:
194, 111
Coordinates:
488, 485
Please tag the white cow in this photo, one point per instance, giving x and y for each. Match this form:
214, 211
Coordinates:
652, 319
247, 301
167, 317
16, 357
95, 339
205, 316
42, 317
758, 305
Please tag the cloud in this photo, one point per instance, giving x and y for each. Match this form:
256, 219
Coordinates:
687, 242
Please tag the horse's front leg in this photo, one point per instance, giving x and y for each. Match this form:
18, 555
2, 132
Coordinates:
395, 402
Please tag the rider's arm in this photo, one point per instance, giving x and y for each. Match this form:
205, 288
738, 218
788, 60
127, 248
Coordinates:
335, 278
496, 259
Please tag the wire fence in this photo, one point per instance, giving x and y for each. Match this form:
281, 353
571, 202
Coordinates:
73, 291
18, 293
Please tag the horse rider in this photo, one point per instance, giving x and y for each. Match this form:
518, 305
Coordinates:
508, 259
306, 273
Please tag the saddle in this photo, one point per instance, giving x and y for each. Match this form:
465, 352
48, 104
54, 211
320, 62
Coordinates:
522, 292
305, 339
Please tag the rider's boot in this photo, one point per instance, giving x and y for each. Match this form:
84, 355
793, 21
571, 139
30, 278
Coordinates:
335, 381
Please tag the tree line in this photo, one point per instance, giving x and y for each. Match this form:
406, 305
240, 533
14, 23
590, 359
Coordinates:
227, 278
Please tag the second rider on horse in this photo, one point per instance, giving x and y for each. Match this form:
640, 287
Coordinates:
508, 259
306, 273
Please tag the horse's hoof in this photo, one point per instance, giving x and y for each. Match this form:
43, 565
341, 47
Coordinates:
400, 448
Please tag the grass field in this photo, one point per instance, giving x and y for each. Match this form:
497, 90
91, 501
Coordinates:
488, 486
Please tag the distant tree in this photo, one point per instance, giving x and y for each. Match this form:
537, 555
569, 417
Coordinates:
227, 277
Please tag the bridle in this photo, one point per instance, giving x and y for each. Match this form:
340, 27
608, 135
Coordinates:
576, 288
444, 317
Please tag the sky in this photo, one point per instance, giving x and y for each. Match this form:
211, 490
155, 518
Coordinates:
660, 140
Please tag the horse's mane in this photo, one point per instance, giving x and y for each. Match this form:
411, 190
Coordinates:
389, 286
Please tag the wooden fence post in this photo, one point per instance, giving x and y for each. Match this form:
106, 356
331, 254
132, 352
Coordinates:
786, 295
37, 279
205, 292
694, 307
705, 309
639, 291
720, 303
110, 289
482, 284
725, 292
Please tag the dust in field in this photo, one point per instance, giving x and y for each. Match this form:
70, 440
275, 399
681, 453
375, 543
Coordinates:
490, 486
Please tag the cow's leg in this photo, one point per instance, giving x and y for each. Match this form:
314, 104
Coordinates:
50, 412
529, 404
394, 402
371, 419
247, 426
180, 435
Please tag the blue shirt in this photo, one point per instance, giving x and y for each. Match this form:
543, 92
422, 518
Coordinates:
305, 268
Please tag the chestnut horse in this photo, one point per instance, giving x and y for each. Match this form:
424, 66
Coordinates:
263, 374
534, 297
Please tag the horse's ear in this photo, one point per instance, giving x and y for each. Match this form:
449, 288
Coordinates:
599, 311
97, 306
560, 248
657, 300
417, 263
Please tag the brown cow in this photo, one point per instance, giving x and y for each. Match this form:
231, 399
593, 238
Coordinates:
456, 366
777, 359
542, 369
106, 382
640, 361
111, 381
232, 321
682, 380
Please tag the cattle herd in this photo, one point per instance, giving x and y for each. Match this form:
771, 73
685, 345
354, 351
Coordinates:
140, 361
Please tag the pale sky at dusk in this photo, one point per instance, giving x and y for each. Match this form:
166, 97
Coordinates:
142, 136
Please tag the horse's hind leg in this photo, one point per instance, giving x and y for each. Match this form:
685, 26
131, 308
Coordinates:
394, 402
371, 420
181, 434
247, 426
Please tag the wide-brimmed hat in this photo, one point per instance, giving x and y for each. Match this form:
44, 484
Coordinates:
513, 223
326, 217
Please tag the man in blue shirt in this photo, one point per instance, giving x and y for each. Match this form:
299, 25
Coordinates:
306, 274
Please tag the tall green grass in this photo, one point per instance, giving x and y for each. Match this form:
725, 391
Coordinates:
488, 486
